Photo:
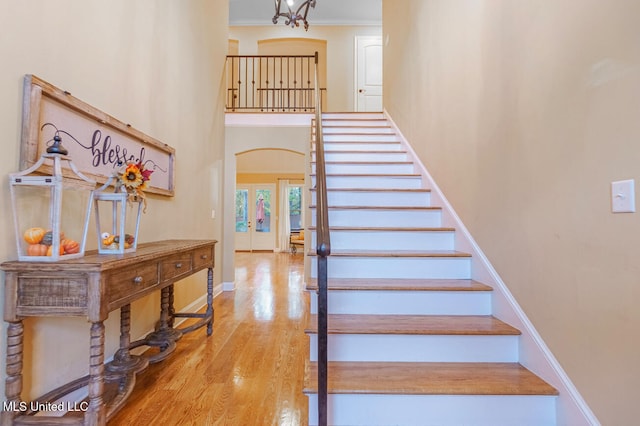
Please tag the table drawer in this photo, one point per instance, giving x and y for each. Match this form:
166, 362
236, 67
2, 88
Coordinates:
131, 280
202, 257
175, 266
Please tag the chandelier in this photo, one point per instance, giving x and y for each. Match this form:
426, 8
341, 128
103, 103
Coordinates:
294, 15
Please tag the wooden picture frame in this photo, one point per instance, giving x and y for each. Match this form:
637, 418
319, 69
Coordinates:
97, 143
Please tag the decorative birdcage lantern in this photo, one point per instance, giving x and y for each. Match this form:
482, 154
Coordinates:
51, 209
118, 213
116, 227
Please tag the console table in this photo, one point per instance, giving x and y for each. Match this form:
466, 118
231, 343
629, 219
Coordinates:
93, 286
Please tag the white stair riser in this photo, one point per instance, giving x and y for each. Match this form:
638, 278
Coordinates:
366, 168
396, 267
361, 146
360, 138
382, 218
390, 240
436, 410
362, 156
416, 348
376, 199
355, 123
381, 302
329, 130
384, 182
353, 116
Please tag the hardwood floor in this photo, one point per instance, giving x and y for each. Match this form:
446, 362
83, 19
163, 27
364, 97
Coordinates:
250, 371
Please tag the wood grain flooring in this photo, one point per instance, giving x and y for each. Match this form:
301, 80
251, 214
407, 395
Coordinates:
250, 371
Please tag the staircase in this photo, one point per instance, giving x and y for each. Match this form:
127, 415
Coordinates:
411, 337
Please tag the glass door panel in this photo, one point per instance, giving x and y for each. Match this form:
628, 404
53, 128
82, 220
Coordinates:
255, 229
243, 226
263, 237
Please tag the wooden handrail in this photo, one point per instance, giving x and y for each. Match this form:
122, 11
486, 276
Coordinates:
323, 250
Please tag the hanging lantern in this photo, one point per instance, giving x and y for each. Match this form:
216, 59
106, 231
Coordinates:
48, 229
118, 213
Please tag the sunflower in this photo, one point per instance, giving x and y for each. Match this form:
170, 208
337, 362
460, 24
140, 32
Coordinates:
132, 176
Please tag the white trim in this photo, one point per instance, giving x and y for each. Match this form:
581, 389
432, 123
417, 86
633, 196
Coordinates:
572, 410
228, 286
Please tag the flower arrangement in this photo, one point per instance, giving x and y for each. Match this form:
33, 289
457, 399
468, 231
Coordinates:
133, 178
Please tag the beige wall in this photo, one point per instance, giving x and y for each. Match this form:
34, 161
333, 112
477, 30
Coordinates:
340, 53
156, 64
275, 161
525, 112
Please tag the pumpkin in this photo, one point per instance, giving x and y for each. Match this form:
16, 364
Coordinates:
34, 235
37, 250
70, 246
50, 250
108, 240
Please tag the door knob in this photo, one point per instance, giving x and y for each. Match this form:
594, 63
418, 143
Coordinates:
361, 90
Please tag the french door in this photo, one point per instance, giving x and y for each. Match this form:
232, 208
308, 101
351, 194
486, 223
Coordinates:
255, 217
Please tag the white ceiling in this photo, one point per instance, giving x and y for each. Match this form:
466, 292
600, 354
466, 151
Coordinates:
326, 12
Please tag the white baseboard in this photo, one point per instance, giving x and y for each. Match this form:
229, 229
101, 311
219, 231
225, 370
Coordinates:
228, 286
534, 353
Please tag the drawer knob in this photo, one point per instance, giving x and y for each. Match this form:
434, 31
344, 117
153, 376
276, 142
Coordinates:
203, 256
178, 265
138, 280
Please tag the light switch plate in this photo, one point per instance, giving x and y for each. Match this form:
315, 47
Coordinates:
623, 196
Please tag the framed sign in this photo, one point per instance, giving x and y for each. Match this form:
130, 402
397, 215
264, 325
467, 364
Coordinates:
97, 143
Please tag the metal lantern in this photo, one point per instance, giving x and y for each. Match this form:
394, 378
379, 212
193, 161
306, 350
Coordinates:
117, 228
47, 229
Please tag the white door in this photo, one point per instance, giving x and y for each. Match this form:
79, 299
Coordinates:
369, 74
255, 224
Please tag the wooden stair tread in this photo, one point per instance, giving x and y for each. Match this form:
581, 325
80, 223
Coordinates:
385, 228
354, 126
410, 190
417, 378
393, 284
458, 325
427, 208
362, 142
337, 151
374, 163
360, 134
412, 175
396, 253
353, 119
373, 113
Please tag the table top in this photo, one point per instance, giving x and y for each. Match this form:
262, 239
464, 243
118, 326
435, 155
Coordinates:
92, 261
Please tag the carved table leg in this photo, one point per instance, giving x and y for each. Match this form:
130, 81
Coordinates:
164, 337
123, 362
172, 311
96, 413
13, 384
210, 301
